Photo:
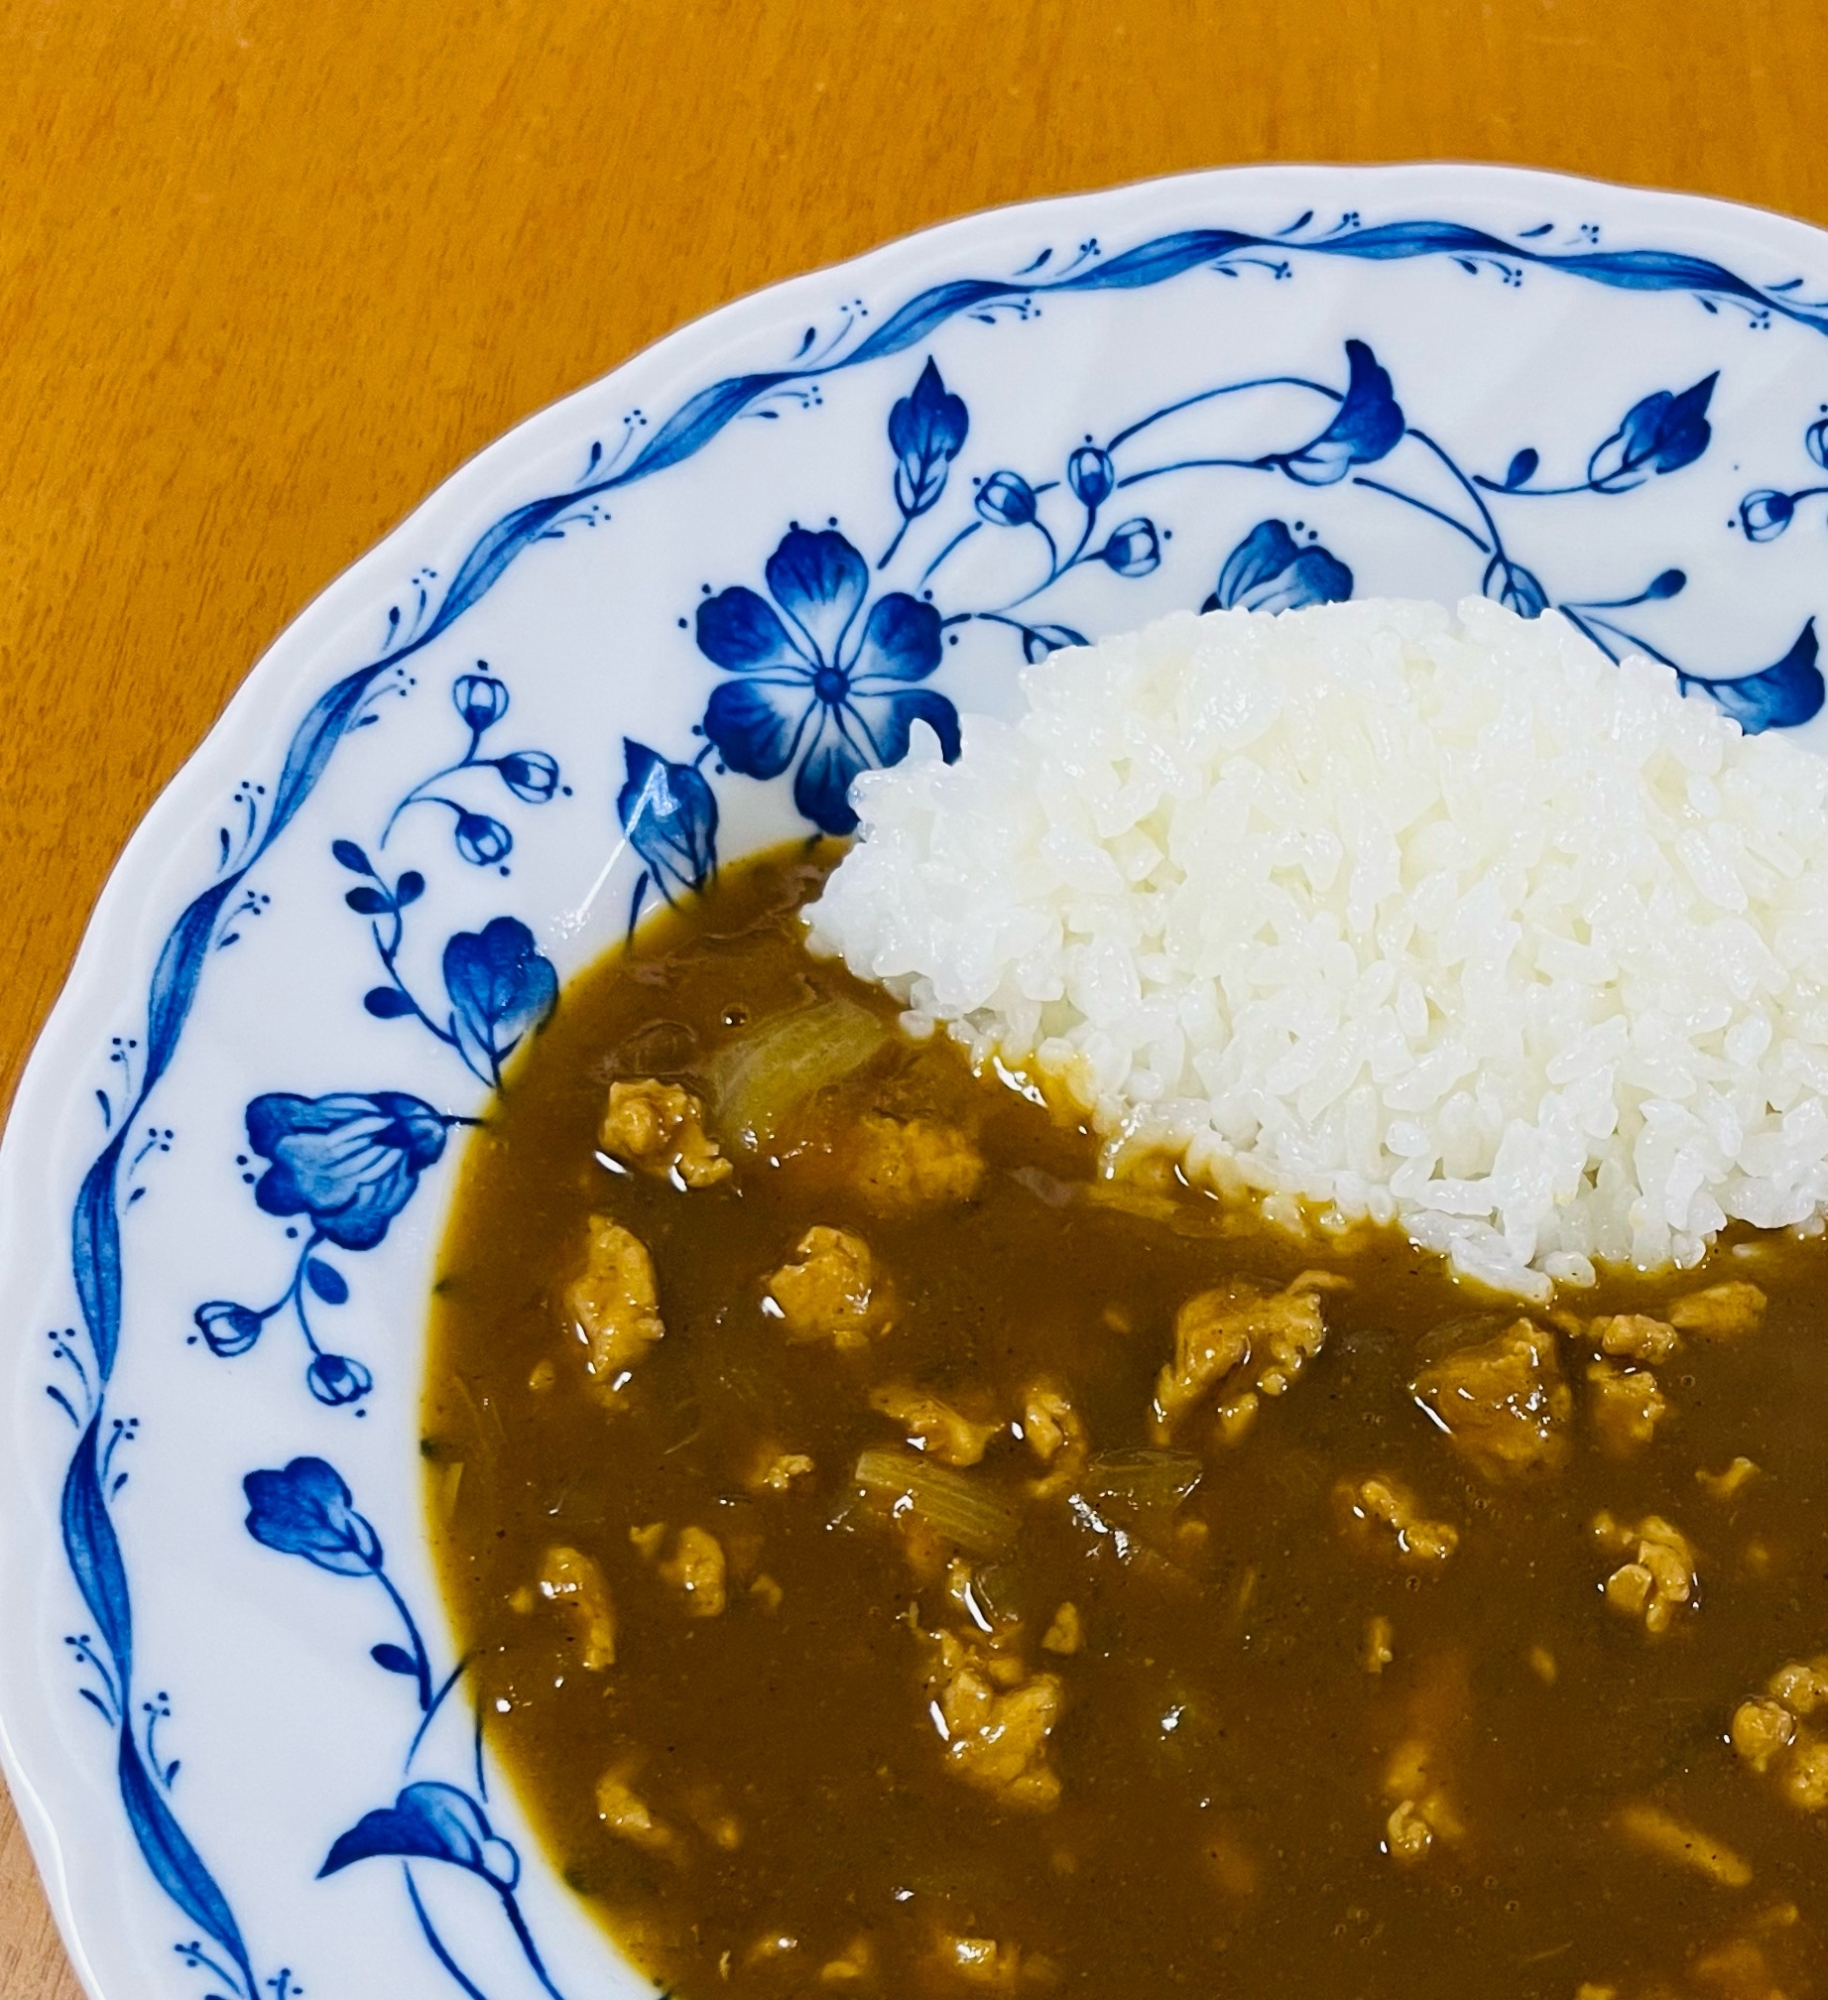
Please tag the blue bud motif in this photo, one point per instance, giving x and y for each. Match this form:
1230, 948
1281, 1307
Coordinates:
1007, 500
530, 775
230, 1329
480, 699
1091, 475
1134, 548
1815, 442
1766, 514
482, 841
336, 1379
1515, 588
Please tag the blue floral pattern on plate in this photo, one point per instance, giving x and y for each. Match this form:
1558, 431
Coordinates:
1004, 523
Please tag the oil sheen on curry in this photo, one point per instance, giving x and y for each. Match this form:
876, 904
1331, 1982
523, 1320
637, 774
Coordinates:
899, 1561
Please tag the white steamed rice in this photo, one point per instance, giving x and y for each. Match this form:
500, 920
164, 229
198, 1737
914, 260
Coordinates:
1427, 917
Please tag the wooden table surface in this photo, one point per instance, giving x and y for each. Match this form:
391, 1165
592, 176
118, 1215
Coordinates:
269, 269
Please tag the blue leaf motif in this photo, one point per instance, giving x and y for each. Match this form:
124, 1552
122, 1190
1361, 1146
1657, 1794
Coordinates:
1367, 426
306, 1510
1660, 433
429, 1822
1522, 469
395, 1659
926, 431
1270, 571
500, 989
327, 1282
351, 857
669, 813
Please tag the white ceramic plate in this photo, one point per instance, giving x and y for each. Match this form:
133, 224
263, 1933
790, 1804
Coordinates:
658, 625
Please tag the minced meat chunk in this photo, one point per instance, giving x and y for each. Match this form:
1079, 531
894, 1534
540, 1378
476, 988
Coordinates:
1770, 1734
1658, 1578
1226, 1329
1634, 1337
776, 1471
696, 1570
1721, 1312
570, 1580
1502, 1401
1729, 1484
933, 1426
1423, 1812
830, 1291
996, 1737
660, 1128
904, 1165
1381, 1502
628, 1817
614, 1305
1055, 1432
1626, 1406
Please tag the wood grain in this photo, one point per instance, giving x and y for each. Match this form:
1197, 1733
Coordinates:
270, 270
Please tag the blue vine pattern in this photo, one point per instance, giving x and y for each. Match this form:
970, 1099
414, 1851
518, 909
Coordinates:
350, 1164
306, 1509
670, 817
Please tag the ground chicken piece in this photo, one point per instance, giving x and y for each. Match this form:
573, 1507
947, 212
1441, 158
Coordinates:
1225, 1329
627, 1816
1626, 1406
1064, 1634
1390, 1504
905, 1165
1721, 1312
1726, 1485
615, 1307
696, 1569
996, 1739
1634, 1337
1423, 1811
1665, 1836
1768, 1734
775, 1471
570, 1580
660, 1128
998, 1968
943, 1433
767, 1593
1056, 1434
1660, 1576
1502, 1401
830, 1291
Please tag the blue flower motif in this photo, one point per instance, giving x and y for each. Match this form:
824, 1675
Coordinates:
1367, 426
1134, 548
1781, 696
481, 840
230, 1329
1765, 515
336, 1379
1270, 571
1815, 442
349, 1162
529, 774
926, 432
810, 685
1007, 500
500, 988
1514, 587
1661, 433
669, 813
306, 1510
430, 1822
480, 699
1091, 475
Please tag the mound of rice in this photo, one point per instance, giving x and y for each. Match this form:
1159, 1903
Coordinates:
1426, 917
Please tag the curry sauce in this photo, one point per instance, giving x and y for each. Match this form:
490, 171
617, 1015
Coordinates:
899, 1559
